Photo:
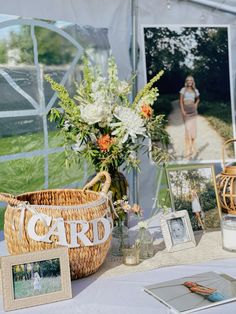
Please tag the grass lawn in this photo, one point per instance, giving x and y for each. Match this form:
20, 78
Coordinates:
24, 288
25, 175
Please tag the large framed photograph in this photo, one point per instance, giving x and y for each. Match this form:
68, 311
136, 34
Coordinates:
35, 278
177, 231
196, 92
193, 188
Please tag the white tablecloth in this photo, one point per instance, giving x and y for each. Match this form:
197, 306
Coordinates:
124, 294
117, 288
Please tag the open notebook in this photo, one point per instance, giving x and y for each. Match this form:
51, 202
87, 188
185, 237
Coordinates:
193, 293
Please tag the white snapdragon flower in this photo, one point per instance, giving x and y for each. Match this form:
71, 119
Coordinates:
78, 145
143, 224
123, 88
67, 125
131, 123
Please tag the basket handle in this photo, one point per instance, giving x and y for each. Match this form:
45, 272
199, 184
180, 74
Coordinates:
223, 150
97, 178
9, 198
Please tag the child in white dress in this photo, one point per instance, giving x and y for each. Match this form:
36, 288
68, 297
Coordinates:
36, 282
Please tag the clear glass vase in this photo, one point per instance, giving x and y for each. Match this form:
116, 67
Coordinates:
145, 243
119, 238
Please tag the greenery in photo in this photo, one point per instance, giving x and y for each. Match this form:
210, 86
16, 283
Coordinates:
198, 51
36, 278
25, 175
24, 289
183, 182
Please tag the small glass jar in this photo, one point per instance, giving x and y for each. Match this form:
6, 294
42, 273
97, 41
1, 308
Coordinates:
131, 255
119, 238
145, 243
228, 229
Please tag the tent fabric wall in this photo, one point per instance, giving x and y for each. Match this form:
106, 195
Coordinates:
116, 16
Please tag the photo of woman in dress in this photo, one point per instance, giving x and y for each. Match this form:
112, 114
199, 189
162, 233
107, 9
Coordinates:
200, 117
197, 209
189, 101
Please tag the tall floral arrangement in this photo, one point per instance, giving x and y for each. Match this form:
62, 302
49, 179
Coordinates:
101, 124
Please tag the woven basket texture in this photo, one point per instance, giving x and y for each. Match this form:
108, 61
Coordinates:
84, 260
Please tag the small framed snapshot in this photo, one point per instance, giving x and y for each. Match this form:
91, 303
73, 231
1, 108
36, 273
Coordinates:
177, 231
193, 188
35, 278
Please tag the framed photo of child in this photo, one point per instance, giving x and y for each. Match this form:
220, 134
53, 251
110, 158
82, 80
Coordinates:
35, 278
177, 231
193, 188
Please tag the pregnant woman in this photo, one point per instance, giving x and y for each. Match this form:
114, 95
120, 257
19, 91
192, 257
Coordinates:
189, 100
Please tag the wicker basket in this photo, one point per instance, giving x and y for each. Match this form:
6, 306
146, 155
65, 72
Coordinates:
81, 211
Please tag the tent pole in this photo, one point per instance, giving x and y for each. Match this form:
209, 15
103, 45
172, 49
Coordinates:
134, 63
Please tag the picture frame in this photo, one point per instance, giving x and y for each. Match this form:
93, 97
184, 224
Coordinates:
35, 278
192, 50
177, 231
193, 188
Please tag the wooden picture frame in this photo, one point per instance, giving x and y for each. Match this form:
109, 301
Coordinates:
177, 231
193, 188
35, 278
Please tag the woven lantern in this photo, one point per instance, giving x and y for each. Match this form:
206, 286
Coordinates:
226, 184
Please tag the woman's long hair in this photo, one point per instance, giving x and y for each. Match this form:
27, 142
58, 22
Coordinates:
194, 85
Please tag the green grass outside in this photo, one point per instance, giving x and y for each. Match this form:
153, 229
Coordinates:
28, 142
25, 175
24, 288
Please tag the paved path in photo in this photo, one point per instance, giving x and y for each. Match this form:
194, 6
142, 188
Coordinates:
209, 142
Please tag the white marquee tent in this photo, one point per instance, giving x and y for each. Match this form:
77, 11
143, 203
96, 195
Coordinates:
121, 22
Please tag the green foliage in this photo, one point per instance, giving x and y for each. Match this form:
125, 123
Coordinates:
3, 52
160, 139
172, 51
50, 268
102, 126
147, 88
53, 49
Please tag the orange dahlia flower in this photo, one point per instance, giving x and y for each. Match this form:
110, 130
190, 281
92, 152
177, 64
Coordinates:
104, 142
146, 111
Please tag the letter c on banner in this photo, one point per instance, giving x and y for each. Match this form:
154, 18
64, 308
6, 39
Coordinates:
31, 227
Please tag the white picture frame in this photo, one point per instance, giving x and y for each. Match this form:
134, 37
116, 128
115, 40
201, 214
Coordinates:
35, 278
177, 231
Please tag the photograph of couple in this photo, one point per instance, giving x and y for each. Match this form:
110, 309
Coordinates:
195, 90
